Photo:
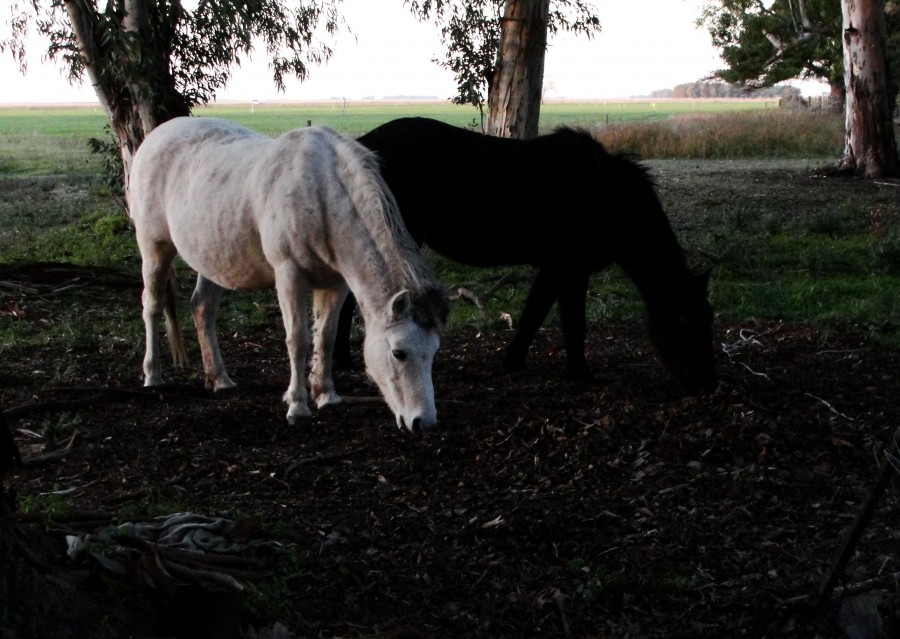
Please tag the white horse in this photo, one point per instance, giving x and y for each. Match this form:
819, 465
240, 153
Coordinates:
305, 212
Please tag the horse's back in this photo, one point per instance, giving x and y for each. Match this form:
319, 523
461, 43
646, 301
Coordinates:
236, 204
484, 200
168, 165
233, 203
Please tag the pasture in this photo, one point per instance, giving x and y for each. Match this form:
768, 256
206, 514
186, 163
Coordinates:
540, 507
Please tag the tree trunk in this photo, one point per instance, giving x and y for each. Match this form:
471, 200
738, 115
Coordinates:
870, 147
137, 95
514, 95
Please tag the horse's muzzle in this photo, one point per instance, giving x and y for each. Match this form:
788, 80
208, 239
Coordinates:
418, 425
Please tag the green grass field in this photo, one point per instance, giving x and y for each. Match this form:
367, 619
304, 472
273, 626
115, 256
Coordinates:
52, 140
355, 118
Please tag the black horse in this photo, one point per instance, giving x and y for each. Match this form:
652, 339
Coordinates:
559, 202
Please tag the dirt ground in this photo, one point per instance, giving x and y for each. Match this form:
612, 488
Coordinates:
541, 507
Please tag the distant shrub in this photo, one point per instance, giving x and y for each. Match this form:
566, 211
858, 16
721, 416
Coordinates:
778, 133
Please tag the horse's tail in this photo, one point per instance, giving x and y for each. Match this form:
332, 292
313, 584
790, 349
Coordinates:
173, 328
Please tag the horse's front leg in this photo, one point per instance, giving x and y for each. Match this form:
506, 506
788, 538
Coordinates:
205, 307
572, 294
327, 305
292, 286
537, 306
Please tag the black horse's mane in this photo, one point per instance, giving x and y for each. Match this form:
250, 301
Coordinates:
627, 161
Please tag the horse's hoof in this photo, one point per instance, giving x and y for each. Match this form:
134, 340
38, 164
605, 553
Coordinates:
223, 384
513, 364
297, 413
328, 399
224, 391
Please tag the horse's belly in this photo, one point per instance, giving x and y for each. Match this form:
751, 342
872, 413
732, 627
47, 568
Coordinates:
233, 261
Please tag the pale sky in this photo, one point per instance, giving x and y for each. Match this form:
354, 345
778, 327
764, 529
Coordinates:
644, 45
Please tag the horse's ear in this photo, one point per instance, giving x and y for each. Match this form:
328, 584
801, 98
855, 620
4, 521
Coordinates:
400, 305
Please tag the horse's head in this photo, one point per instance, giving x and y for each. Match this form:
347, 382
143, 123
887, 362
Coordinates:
399, 349
681, 330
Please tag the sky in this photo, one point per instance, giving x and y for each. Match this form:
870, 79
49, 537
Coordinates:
644, 45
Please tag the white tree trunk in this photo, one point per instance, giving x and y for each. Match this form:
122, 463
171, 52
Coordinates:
514, 100
870, 148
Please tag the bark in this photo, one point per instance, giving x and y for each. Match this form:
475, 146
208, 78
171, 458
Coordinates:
870, 147
514, 102
134, 103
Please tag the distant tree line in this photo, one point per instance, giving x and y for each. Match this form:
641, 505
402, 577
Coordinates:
724, 90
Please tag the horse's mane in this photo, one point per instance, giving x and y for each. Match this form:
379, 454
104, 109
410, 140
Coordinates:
626, 162
391, 231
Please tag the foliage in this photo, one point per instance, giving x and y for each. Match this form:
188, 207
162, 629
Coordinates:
764, 43
107, 149
195, 48
723, 90
471, 32
152, 60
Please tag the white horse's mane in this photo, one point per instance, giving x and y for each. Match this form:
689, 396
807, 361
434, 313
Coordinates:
415, 270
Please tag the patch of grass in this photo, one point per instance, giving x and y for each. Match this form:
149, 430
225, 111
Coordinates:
885, 251
51, 505
40, 153
67, 217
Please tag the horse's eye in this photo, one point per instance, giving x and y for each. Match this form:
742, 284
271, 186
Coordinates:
399, 355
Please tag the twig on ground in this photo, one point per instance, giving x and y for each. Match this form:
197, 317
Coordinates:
469, 296
560, 600
863, 516
503, 281
52, 457
361, 399
746, 338
830, 407
14, 286
322, 458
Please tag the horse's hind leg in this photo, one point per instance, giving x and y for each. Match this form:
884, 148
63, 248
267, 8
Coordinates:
537, 306
155, 264
327, 305
292, 286
205, 307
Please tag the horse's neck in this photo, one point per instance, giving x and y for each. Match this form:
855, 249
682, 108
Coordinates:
372, 295
374, 275
657, 266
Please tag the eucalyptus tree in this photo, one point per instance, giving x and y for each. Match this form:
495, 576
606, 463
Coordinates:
851, 44
870, 146
763, 43
151, 60
496, 50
